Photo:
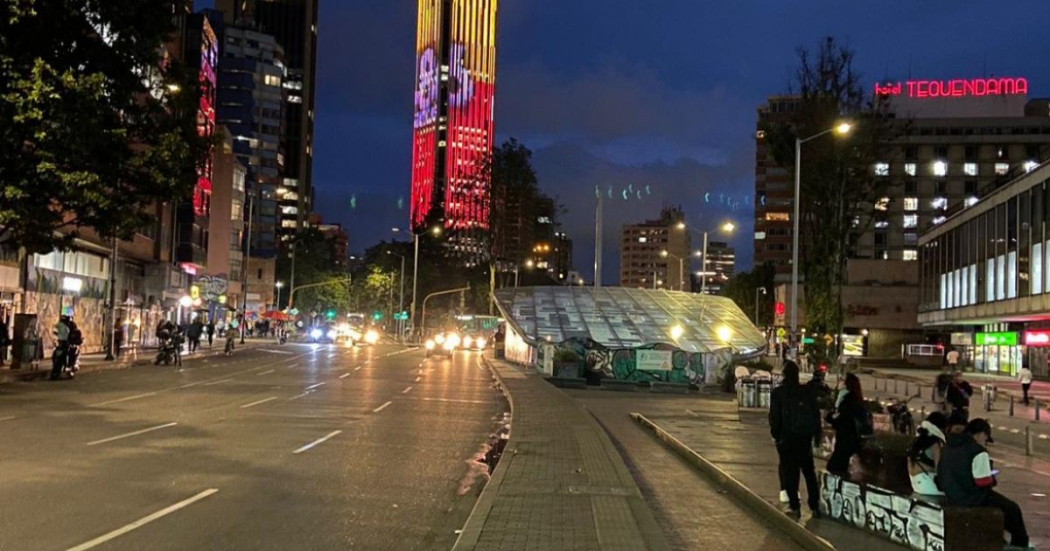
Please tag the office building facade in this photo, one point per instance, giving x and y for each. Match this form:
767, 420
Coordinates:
643, 263
721, 265
453, 125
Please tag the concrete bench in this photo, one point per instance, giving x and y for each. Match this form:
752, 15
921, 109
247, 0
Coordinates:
921, 522
670, 388
622, 386
568, 382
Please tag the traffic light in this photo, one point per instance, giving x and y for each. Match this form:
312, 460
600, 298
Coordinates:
779, 309
330, 314
377, 315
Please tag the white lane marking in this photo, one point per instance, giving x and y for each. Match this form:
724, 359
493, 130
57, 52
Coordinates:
343, 376
124, 399
418, 378
1015, 431
406, 390
1038, 495
381, 408
8, 418
263, 401
357, 368
130, 434
455, 401
311, 387
297, 396
318, 441
219, 382
143, 521
265, 372
275, 351
1002, 428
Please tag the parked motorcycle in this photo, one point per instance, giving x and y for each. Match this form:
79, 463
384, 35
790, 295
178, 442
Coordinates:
167, 352
65, 362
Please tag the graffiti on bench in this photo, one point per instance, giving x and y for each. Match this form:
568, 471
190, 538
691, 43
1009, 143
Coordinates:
917, 524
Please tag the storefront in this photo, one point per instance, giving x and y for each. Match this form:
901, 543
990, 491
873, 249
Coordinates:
998, 353
1038, 343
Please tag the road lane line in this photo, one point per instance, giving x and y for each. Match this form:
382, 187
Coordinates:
297, 396
456, 401
8, 418
418, 378
357, 368
130, 434
263, 401
275, 351
143, 521
219, 382
381, 408
343, 376
264, 373
406, 390
311, 387
318, 441
124, 399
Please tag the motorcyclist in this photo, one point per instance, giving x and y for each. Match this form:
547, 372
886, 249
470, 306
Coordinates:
60, 354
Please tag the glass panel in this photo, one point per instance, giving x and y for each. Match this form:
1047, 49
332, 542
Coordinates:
1037, 268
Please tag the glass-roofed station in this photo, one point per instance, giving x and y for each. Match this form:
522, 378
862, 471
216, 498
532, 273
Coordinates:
619, 319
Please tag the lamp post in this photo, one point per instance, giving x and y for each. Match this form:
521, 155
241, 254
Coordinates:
726, 228
401, 300
681, 267
436, 232
277, 305
841, 129
763, 290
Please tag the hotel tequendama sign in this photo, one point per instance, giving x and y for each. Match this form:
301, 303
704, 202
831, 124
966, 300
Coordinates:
954, 88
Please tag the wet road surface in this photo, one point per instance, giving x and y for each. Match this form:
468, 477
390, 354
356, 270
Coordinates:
289, 447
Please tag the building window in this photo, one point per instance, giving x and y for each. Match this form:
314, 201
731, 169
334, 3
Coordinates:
910, 169
643, 239
938, 220
272, 80
882, 224
940, 168
911, 203
911, 153
777, 217
1002, 153
971, 153
911, 254
911, 238
940, 203
882, 169
970, 169
911, 220
1002, 168
941, 187
883, 204
1030, 166
971, 201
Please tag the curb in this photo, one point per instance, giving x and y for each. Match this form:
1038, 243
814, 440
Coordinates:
753, 501
471, 532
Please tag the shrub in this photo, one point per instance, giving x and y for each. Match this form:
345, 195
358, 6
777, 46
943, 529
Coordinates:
564, 355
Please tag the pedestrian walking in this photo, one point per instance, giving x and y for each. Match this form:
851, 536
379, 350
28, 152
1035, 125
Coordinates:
5, 341
193, 333
211, 331
1025, 378
852, 422
953, 359
118, 338
966, 475
794, 423
958, 395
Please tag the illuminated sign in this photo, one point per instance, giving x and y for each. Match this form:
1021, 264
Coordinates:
72, 284
996, 339
1037, 337
209, 59
955, 88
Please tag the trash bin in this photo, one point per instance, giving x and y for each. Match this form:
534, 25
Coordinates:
764, 387
747, 391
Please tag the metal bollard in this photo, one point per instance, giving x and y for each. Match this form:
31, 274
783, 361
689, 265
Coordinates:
1028, 440
1011, 405
987, 399
1037, 409
895, 381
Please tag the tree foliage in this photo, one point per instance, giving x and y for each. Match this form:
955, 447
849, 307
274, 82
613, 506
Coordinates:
90, 130
315, 262
839, 188
742, 288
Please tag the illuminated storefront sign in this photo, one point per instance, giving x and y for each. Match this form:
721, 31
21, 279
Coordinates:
996, 339
955, 88
206, 115
1040, 337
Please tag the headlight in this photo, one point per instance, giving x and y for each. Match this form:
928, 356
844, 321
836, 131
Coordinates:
372, 336
315, 333
480, 343
430, 345
453, 339
440, 338
448, 346
467, 341
331, 333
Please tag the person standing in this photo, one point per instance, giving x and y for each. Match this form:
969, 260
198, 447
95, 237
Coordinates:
794, 423
958, 395
953, 359
211, 331
59, 355
966, 476
851, 422
193, 333
1025, 378
5, 341
118, 338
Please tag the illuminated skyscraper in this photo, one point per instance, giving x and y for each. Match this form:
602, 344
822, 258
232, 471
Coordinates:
454, 119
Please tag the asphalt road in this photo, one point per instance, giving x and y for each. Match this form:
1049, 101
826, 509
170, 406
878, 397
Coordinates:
290, 447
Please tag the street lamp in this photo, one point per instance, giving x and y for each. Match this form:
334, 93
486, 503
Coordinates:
726, 228
841, 129
763, 290
436, 232
681, 267
279, 284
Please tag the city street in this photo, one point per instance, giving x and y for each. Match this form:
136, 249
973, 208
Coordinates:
281, 447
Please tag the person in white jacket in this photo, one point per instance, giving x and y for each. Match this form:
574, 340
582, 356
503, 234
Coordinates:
1025, 377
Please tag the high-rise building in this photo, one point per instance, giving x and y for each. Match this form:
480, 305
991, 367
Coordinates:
250, 105
453, 126
721, 265
951, 150
293, 24
655, 254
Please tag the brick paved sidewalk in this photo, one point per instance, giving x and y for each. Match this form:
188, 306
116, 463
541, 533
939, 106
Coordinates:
560, 484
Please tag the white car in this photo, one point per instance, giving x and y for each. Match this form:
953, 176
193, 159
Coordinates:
442, 343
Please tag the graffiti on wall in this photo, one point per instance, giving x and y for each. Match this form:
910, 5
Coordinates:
622, 364
88, 313
915, 523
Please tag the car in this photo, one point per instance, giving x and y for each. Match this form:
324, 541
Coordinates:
474, 342
323, 334
442, 344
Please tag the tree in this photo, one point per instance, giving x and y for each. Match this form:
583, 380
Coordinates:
839, 187
91, 131
742, 287
514, 188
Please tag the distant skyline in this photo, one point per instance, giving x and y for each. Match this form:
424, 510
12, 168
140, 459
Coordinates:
614, 93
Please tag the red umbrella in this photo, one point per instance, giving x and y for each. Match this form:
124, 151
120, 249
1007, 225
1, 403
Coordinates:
276, 315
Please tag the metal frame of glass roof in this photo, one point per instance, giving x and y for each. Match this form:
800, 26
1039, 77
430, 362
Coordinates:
622, 318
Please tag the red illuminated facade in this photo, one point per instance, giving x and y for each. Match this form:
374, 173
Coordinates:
453, 125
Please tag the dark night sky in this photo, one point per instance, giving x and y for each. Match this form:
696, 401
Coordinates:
612, 92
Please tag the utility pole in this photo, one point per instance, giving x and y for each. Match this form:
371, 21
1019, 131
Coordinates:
244, 268
111, 354
597, 238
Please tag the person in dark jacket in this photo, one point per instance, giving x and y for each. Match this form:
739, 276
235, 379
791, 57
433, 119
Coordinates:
965, 475
851, 422
794, 423
958, 394
194, 333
